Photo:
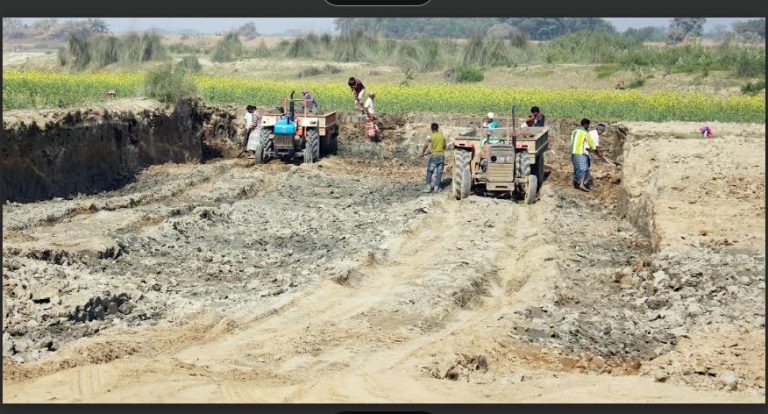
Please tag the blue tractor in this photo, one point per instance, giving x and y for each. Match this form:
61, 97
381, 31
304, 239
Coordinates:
287, 135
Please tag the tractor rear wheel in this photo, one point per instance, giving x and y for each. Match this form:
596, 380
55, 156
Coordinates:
530, 189
312, 148
461, 182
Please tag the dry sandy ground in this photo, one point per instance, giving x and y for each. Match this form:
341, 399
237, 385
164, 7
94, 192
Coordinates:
422, 313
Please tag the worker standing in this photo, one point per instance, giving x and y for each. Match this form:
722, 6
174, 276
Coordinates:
310, 103
436, 163
250, 125
580, 138
370, 118
595, 134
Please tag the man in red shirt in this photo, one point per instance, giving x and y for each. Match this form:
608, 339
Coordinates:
358, 89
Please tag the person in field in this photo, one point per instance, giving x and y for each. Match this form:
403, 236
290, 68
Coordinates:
436, 163
370, 118
595, 134
309, 101
252, 120
538, 117
580, 139
358, 90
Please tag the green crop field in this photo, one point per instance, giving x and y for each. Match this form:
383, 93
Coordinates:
44, 90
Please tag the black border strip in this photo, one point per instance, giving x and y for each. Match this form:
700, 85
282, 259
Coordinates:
385, 408
434, 8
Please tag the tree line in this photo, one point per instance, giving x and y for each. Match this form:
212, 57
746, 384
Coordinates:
537, 28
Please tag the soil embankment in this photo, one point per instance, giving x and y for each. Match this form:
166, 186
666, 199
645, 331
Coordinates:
92, 150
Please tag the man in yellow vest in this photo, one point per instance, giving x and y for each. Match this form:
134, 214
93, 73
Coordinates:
580, 139
436, 143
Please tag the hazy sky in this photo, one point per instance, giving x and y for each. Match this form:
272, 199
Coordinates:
318, 24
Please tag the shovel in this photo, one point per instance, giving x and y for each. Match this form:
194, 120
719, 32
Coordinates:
613, 164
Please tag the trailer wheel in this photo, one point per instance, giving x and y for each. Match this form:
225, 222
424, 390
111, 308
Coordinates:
325, 144
530, 189
540, 169
312, 148
334, 142
461, 182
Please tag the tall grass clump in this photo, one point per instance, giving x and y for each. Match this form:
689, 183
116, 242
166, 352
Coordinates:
489, 52
303, 47
261, 51
464, 74
97, 51
104, 50
753, 88
429, 54
131, 49
227, 49
181, 49
589, 47
354, 47
153, 47
79, 50
168, 83
749, 62
314, 71
190, 64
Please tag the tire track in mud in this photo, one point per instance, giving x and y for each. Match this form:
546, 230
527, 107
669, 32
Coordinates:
120, 213
342, 316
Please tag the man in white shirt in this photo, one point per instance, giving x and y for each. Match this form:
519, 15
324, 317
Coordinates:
252, 120
370, 118
368, 107
595, 134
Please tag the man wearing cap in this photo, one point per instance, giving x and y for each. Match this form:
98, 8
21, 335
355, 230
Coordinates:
595, 134
309, 101
580, 139
490, 121
489, 124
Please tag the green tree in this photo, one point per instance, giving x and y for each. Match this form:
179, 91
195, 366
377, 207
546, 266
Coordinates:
685, 28
98, 26
646, 34
248, 30
750, 30
13, 28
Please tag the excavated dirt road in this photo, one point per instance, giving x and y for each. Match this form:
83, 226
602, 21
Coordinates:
341, 282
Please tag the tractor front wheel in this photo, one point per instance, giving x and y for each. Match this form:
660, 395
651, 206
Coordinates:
531, 189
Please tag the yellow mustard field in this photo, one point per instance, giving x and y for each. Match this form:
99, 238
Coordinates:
46, 89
